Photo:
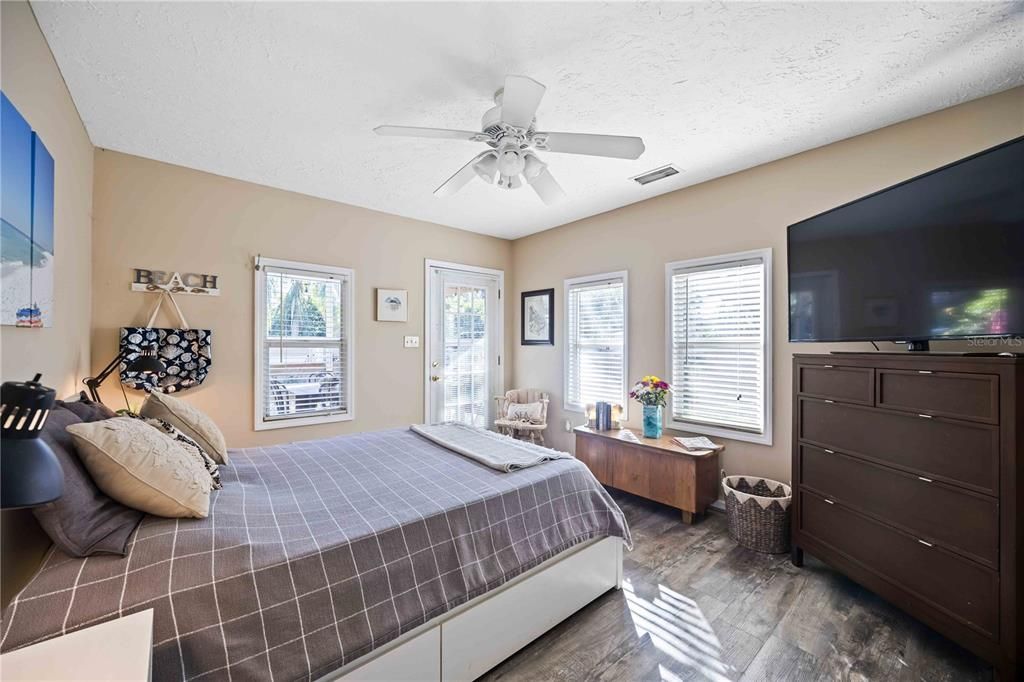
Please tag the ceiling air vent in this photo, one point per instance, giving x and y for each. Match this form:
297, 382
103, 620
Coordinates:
656, 174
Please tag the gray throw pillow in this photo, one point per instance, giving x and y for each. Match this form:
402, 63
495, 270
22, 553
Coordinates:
83, 521
88, 410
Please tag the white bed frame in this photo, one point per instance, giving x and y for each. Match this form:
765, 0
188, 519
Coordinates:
469, 640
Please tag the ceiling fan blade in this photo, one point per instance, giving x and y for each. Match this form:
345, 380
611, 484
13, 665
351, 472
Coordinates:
519, 100
547, 188
617, 146
461, 177
435, 133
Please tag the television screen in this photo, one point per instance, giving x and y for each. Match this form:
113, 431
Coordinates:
937, 257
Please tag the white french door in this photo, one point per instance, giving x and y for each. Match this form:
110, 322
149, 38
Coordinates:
464, 343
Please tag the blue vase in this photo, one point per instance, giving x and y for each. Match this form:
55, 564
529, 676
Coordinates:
652, 421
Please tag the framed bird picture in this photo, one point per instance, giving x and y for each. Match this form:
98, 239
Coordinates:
538, 318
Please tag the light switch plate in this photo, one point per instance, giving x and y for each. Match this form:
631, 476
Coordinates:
412, 342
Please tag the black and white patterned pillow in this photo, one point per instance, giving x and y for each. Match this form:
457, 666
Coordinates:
190, 445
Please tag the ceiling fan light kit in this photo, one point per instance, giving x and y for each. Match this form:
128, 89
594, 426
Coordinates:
509, 129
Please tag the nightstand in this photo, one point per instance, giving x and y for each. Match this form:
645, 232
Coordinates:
119, 649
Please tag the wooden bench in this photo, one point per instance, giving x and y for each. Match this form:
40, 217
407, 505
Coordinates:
656, 469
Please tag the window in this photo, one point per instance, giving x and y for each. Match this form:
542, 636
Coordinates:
303, 344
719, 345
595, 348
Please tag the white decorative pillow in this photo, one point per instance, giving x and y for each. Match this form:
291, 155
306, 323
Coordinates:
192, 422
193, 448
525, 412
142, 467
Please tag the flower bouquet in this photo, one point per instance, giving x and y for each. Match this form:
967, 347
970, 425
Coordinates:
652, 393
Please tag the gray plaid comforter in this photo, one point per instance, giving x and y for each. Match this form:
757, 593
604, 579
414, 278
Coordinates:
317, 552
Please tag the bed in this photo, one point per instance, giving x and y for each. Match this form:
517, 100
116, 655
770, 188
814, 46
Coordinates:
321, 558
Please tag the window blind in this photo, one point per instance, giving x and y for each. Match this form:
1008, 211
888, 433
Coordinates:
718, 342
305, 358
595, 349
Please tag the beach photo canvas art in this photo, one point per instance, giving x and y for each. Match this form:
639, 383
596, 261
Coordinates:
26, 223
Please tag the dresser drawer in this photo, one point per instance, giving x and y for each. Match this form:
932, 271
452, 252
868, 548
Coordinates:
848, 384
942, 394
959, 452
962, 588
960, 520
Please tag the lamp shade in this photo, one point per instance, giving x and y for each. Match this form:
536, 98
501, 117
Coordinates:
30, 473
487, 167
147, 362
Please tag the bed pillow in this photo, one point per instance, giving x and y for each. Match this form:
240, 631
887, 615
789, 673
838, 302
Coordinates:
143, 468
193, 448
83, 521
527, 412
193, 423
86, 409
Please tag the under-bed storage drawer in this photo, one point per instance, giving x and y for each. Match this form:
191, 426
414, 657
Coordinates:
956, 518
847, 384
960, 452
962, 588
415, 660
941, 394
477, 639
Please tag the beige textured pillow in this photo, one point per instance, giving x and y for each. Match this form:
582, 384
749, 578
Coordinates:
527, 412
190, 421
142, 467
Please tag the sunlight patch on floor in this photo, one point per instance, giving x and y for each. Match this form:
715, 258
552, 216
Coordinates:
678, 628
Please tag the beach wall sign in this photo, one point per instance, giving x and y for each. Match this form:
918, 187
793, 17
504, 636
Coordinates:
174, 282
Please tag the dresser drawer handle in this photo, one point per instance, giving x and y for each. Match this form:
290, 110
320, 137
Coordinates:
926, 544
925, 416
827, 366
926, 480
831, 452
831, 402
924, 371
828, 501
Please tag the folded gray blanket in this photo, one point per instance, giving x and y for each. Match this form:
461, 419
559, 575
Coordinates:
490, 449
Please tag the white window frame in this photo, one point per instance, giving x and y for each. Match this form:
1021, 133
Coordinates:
596, 279
765, 437
259, 331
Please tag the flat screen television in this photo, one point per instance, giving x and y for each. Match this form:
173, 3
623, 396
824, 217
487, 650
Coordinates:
940, 256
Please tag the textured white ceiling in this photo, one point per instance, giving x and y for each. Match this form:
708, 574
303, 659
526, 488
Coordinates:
287, 94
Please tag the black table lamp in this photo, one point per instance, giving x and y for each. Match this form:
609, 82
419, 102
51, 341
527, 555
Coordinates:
146, 362
30, 473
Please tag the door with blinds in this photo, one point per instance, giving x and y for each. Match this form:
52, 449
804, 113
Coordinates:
464, 344
304, 354
719, 331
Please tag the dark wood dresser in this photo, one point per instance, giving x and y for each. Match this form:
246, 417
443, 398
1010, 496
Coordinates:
906, 472
655, 468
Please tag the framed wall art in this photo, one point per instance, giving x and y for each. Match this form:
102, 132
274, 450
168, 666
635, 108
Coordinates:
538, 318
392, 305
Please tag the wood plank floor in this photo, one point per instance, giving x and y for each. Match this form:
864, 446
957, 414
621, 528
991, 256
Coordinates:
695, 606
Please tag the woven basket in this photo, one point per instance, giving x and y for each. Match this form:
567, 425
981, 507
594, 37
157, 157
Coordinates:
758, 510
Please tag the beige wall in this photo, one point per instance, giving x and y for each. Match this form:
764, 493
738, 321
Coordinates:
747, 210
30, 79
154, 215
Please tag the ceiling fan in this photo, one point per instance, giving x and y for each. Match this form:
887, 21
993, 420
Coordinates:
509, 129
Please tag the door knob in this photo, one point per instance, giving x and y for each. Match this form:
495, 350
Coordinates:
434, 377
